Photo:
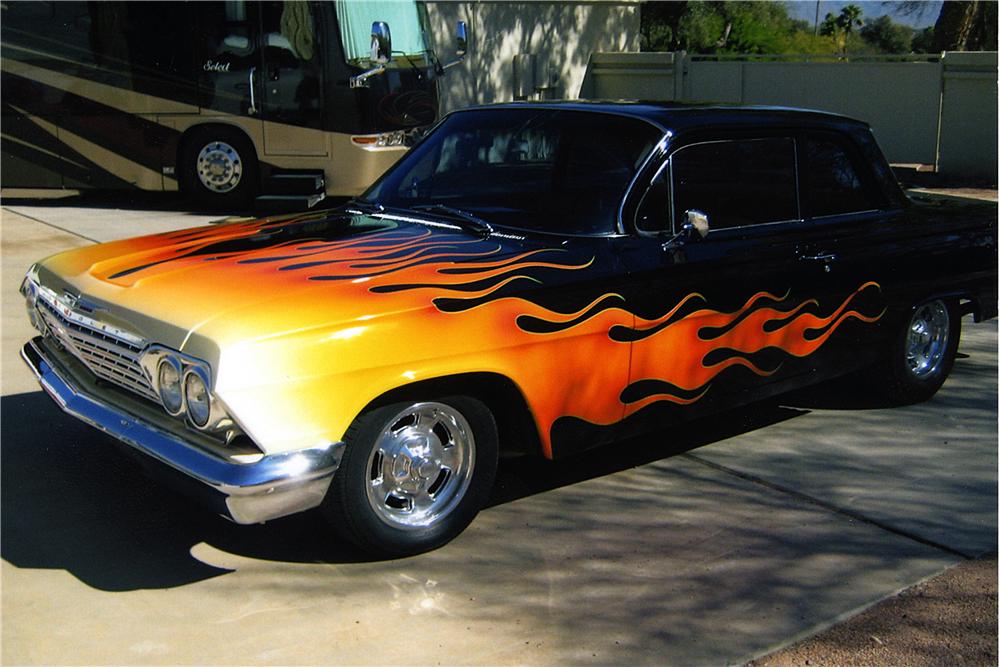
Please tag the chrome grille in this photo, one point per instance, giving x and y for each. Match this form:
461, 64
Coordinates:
108, 357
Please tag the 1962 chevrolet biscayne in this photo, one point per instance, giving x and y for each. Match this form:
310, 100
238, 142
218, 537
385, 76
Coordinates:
544, 277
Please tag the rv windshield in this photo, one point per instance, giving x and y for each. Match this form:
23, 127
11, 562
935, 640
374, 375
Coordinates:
356, 18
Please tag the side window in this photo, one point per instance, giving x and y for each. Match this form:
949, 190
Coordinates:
737, 183
832, 183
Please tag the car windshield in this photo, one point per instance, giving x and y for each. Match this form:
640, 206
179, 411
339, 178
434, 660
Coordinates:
537, 169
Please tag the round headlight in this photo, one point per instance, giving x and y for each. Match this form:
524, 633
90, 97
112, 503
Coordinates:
169, 382
199, 404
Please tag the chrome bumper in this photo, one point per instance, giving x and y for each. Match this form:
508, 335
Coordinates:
275, 486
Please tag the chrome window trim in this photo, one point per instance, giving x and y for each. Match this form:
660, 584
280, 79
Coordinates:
659, 149
867, 211
670, 195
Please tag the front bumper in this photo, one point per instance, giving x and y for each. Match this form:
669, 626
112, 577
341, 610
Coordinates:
277, 485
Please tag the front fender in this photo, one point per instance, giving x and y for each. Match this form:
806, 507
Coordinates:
292, 391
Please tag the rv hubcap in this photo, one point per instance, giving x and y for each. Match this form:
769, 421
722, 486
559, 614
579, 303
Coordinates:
219, 167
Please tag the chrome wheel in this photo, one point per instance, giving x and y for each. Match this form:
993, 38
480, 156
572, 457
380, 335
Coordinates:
421, 465
219, 167
927, 339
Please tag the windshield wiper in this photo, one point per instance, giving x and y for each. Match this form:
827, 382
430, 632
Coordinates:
467, 220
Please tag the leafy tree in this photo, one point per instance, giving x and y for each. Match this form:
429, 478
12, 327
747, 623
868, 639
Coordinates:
734, 27
763, 27
886, 36
659, 25
923, 41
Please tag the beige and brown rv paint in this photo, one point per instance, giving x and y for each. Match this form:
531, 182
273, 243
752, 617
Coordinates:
116, 95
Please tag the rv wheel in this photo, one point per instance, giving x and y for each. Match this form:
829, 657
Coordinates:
218, 166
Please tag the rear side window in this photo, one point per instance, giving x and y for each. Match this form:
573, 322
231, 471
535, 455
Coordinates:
833, 185
737, 183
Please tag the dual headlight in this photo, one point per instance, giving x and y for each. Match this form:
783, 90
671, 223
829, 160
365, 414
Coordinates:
182, 384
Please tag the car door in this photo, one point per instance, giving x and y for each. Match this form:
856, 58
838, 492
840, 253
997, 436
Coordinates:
849, 260
727, 318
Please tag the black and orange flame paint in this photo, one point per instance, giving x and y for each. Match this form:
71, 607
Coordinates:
474, 305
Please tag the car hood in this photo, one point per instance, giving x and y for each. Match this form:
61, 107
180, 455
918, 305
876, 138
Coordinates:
265, 278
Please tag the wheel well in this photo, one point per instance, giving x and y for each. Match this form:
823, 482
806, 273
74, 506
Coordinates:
516, 428
968, 303
963, 303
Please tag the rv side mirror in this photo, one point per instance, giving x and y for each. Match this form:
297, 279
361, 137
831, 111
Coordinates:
381, 42
461, 40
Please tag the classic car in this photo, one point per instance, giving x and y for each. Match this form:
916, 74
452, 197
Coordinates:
528, 278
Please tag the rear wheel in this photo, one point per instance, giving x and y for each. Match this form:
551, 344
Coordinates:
922, 353
414, 474
218, 166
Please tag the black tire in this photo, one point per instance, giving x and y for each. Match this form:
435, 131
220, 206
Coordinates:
232, 153
921, 354
423, 503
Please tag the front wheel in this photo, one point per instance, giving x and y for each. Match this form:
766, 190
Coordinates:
414, 474
922, 353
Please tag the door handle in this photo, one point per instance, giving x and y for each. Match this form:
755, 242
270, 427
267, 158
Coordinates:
253, 99
825, 257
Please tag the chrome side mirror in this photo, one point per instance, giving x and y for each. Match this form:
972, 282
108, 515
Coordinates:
380, 56
381, 43
696, 221
461, 46
461, 40
695, 227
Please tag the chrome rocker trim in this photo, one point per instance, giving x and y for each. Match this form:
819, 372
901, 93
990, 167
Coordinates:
275, 486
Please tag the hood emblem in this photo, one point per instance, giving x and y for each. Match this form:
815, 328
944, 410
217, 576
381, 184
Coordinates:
77, 302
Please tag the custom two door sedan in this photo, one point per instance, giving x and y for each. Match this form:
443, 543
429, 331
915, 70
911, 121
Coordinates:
529, 278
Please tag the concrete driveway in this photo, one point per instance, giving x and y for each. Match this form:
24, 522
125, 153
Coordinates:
705, 545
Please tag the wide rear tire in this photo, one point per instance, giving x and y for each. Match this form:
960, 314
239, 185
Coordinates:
921, 354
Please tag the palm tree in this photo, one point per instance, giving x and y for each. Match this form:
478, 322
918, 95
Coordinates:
840, 27
850, 16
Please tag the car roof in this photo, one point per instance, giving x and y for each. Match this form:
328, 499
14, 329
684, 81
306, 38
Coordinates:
678, 116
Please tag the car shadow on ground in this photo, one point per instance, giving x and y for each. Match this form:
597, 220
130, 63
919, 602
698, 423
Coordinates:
70, 500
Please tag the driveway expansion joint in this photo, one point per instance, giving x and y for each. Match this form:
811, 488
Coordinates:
49, 224
851, 514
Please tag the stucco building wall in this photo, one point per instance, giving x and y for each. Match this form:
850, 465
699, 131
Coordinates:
526, 50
